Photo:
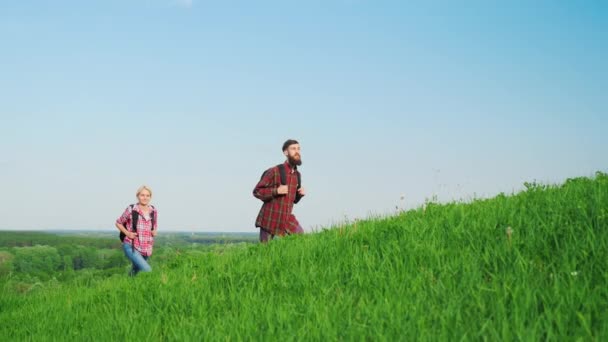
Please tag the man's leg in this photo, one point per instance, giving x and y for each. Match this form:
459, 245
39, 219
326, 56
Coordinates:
265, 236
299, 230
294, 222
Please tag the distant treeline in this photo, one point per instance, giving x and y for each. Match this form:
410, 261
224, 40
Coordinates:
172, 239
43, 256
28, 239
40, 256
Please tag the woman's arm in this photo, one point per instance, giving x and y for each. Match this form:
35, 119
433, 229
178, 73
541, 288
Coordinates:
155, 227
121, 224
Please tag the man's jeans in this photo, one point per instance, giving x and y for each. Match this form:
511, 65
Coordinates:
140, 262
265, 235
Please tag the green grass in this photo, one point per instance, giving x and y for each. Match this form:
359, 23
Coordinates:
445, 272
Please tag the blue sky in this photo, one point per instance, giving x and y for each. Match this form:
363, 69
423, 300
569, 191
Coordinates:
195, 98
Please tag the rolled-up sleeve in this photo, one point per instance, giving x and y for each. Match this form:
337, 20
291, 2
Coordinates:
155, 220
265, 189
124, 218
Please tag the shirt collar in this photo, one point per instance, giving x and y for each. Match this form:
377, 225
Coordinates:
138, 209
288, 167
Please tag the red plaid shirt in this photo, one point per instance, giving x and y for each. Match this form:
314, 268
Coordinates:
275, 215
144, 241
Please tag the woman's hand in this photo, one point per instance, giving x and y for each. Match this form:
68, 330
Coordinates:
154, 232
131, 235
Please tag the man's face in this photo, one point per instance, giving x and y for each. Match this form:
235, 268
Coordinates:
293, 154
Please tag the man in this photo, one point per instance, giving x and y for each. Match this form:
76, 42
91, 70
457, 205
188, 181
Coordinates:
279, 195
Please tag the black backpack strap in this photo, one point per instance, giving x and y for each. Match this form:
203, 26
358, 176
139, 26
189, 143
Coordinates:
299, 179
283, 174
134, 219
152, 217
298, 196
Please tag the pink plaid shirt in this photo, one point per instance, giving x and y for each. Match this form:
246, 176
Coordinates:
144, 241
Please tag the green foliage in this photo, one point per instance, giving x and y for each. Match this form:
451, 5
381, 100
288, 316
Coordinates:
6, 263
37, 260
113, 259
30, 263
531, 266
84, 257
29, 239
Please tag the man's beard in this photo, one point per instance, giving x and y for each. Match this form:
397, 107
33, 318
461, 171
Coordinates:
294, 161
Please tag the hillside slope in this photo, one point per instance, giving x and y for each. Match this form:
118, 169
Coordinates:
531, 266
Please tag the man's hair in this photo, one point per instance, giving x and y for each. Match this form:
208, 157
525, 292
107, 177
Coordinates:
289, 143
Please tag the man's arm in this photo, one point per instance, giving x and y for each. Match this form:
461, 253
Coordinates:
301, 193
266, 189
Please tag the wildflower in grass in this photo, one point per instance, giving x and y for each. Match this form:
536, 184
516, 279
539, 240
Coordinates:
574, 273
509, 233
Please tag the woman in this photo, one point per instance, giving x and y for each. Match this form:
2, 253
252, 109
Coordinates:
138, 243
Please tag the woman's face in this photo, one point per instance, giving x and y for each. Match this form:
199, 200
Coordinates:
144, 197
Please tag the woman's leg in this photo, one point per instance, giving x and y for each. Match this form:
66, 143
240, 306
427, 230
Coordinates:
140, 263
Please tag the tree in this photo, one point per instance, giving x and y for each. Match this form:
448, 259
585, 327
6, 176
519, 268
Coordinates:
85, 257
37, 260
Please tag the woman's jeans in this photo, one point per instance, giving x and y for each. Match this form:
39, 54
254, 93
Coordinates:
140, 262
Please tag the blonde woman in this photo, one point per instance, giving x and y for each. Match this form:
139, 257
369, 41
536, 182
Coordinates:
138, 227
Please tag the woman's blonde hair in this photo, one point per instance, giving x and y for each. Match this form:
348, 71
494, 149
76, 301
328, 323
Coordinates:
142, 188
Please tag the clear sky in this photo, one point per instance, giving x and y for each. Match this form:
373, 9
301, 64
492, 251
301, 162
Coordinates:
454, 99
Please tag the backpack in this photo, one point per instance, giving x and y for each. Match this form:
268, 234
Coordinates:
134, 218
283, 174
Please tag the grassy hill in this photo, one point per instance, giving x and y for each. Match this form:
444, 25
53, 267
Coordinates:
530, 266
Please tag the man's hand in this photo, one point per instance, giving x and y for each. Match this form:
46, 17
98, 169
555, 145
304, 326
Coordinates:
282, 190
301, 192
